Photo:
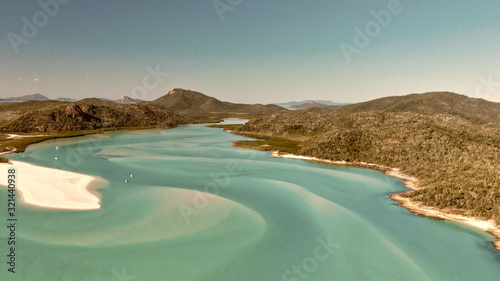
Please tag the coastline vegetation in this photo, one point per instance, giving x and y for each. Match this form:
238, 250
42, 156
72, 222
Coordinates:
456, 161
263, 142
20, 144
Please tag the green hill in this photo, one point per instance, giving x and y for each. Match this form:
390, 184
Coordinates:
475, 110
440, 138
195, 103
86, 116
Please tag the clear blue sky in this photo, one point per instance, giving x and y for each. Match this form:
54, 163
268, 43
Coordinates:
250, 51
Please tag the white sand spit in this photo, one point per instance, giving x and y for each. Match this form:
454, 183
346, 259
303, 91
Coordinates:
51, 188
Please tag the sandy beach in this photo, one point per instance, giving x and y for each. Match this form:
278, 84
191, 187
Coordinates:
52, 188
418, 209
411, 183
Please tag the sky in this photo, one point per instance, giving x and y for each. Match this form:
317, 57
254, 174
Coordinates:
250, 51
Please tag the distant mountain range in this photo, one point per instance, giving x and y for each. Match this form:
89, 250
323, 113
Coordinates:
65, 99
26, 98
39, 97
308, 105
206, 104
298, 103
127, 100
191, 103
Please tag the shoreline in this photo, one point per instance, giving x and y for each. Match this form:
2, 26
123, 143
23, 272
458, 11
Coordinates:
420, 210
8, 152
52, 188
18, 144
411, 183
62, 185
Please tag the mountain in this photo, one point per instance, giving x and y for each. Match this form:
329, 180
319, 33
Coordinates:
475, 110
27, 98
98, 101
294, 103
96, 113
11, 111
65, 99
127, 100
195, 103
88, 116
308, 105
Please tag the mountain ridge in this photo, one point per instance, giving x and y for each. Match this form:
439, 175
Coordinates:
476, 110
292, 103
192, 102
308, 105
27, 98
83, 116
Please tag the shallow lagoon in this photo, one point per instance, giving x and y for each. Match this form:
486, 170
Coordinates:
195, 208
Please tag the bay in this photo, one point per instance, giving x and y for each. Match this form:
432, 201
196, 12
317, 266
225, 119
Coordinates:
182, 204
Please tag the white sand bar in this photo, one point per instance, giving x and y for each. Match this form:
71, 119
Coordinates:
51, 188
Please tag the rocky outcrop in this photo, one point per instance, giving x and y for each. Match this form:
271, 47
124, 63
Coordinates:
74, 111
86, 116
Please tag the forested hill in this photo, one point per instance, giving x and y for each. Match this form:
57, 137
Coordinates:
475, 110
194, 103
178, 106
87, 116
455, 155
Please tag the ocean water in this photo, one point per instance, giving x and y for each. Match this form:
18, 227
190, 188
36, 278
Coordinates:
182, 204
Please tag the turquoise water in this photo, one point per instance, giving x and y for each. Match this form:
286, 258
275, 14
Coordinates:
198, 209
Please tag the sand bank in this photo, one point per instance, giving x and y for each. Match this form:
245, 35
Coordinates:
411, 183
8, 151
52, 188
16, 136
